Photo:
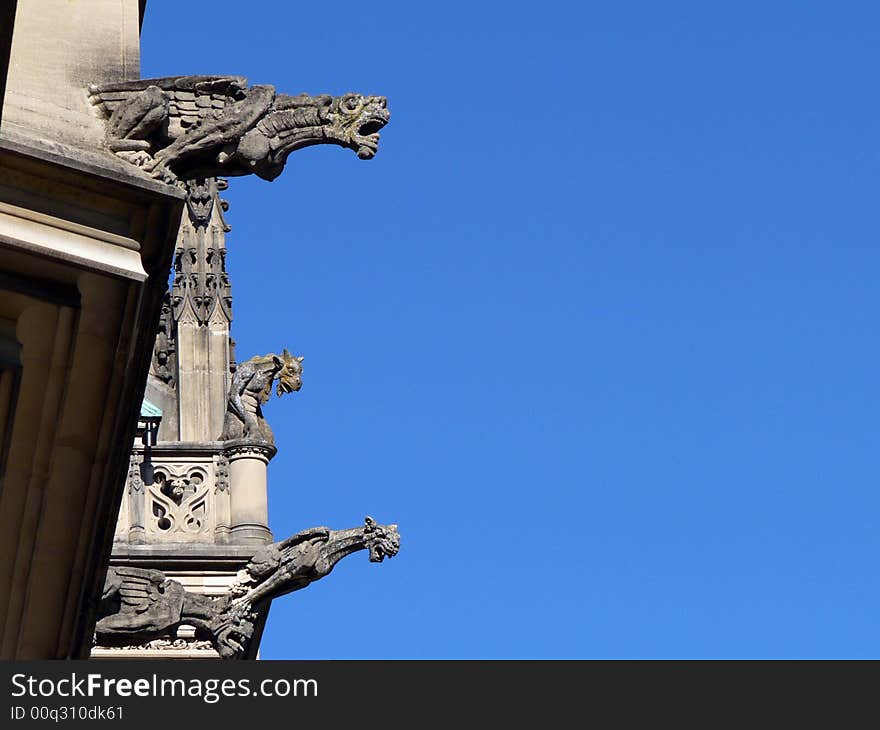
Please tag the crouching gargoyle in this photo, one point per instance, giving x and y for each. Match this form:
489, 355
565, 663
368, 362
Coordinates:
140, 604
251, 387
190, 127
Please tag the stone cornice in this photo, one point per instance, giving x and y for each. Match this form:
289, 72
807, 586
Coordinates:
240, 448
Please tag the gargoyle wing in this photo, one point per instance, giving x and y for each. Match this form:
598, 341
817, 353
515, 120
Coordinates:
313, 533
190, 98
139, 588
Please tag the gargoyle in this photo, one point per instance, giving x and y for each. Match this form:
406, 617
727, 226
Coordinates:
191, 127
294, 563
251, 387
140, 604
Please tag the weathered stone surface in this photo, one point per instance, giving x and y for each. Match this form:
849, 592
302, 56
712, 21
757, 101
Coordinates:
191, 127
184, 494
59, 47
194, 357
141, 605
85, 259
250, 389
185, 532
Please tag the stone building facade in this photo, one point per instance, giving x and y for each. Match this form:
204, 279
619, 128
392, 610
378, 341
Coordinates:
121, 400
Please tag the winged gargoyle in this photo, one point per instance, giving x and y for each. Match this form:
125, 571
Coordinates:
188, 127
141, 604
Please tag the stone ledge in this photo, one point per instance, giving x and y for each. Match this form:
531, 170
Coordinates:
182, 555
76, 159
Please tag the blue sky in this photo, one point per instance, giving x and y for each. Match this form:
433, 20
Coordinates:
596, 327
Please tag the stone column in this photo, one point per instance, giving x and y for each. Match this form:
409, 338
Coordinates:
248, 492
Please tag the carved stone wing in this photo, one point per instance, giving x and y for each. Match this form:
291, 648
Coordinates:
313, 533
149, 604
139, 588
189, 98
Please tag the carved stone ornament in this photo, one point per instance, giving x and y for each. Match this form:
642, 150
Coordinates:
190, 127
170, 645
164, 365
201, 281
251, 387
201, 196
178, 500
221, 473
135, 482
140, 605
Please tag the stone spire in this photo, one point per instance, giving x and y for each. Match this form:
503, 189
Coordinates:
199, 316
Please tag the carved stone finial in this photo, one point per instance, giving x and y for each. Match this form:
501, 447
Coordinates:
140, 605
251, 387
200, 194
190, 127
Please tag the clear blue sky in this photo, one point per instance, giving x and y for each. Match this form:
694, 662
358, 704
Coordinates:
597, 326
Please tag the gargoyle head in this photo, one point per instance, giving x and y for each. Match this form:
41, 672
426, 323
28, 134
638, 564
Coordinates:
382, 540
294, 122
289, 376
355, 122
